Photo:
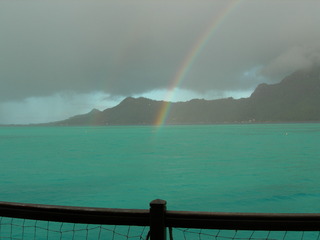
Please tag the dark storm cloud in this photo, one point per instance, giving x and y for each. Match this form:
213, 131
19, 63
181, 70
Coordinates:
259, 41
121, 48
130, 47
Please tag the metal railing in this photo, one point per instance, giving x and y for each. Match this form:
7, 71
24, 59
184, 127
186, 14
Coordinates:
158, 219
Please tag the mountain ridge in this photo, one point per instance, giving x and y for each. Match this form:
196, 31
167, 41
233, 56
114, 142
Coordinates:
295, 99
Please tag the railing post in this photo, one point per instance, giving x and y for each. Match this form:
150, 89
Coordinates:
157, 219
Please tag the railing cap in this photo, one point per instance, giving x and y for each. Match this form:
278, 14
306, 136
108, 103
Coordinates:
158, 203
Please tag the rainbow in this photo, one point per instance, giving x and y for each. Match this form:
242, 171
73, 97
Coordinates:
190, 58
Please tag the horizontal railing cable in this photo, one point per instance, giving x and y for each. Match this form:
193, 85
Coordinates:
85, 215
244, 221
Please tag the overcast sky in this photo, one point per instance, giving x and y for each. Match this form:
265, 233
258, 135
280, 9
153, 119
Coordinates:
59, 58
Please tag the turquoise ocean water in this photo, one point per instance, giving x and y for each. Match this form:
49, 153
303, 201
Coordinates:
238, 168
